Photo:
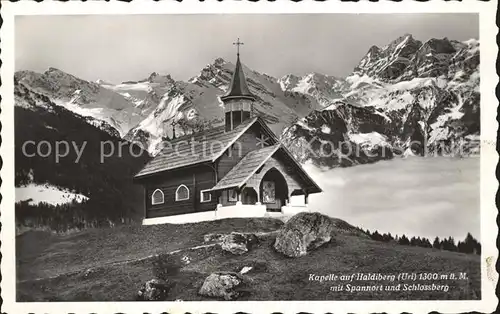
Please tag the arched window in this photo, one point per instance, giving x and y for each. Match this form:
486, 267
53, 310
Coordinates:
157, 197
182, 193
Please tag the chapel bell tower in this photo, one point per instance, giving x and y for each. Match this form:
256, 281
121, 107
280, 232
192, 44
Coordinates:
238, 100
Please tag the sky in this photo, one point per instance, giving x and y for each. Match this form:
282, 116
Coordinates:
424, 197
118, 48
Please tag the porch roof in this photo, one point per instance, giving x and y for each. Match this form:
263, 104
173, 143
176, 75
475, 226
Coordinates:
247, 166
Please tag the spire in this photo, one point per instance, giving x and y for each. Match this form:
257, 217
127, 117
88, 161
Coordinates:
238, 88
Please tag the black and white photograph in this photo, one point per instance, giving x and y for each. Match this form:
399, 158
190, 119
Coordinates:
251, 157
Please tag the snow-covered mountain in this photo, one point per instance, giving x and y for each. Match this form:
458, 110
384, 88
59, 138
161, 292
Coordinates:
149, 110
403, 92
405, 98
325, 89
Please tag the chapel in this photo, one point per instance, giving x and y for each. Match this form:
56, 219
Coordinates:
239, 169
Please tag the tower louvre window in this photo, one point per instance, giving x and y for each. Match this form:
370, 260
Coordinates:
232, 195
238, 98
205, 196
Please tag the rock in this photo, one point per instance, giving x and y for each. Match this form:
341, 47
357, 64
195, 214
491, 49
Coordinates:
186, 260
153, 290
238, 243
222, 285
304, 232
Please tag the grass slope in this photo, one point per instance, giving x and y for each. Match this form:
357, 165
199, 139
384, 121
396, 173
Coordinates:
112, 264
41, 254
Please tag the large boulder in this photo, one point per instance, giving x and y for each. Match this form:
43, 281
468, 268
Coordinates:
222, 285
238, 243
304, 232
153, 290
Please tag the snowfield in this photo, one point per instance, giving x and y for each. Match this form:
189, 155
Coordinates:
47, 193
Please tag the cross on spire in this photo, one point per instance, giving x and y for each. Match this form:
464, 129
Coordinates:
238, 43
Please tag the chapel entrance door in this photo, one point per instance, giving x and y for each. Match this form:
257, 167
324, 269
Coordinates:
273, 190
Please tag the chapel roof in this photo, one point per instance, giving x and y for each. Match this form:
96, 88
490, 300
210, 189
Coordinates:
207, 147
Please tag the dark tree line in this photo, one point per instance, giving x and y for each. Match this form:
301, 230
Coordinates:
469, 245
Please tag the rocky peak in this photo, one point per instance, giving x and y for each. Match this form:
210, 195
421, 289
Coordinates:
437, 46
219, 61
102, 82
470, 43
26, 75
373, 52
390, 62
162, 79
403, 92
399, 40
319, 77
56, 82
66, 79
54, 72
